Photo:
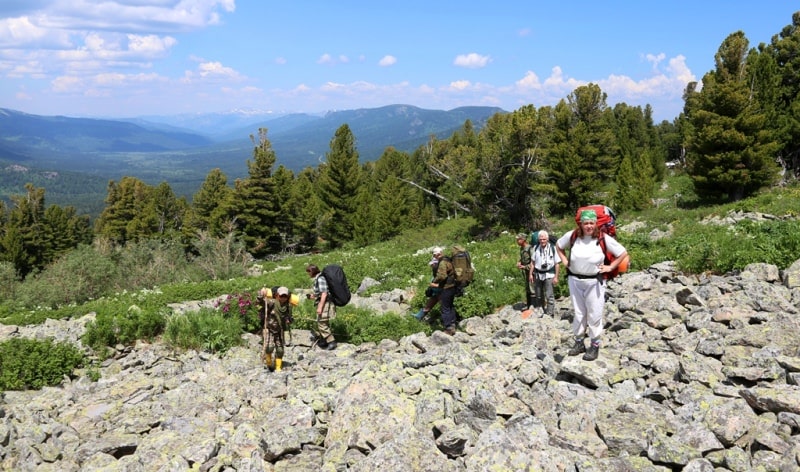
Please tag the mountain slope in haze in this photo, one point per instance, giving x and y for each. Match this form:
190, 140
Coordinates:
22, 131
403, 127
166, 151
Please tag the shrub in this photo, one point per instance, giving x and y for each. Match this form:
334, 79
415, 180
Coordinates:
78, 276
33, 364
220, 258
152, 262
8, 280
358, 326
124, 327
206, 329
243, 306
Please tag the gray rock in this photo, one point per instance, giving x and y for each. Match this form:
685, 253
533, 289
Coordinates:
697, 373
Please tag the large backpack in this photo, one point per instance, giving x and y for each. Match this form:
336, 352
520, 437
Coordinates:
606, 219
462, 266
337, 284
534, 241
607, 223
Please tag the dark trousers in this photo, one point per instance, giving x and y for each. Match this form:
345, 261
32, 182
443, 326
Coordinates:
530, 294
449, 315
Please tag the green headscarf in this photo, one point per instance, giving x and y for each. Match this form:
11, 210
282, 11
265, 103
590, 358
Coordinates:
588, 215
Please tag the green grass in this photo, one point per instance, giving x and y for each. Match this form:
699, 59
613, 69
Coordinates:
402, 264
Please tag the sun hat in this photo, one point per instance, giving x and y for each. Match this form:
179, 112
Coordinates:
522, 236
437, 250
282, 291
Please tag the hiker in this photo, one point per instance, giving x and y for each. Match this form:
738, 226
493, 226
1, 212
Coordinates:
446, 280
545, 267
275, 313
525, 265
587, 289
326, 310
433, 293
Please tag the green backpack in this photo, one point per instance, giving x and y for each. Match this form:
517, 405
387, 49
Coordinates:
462, 266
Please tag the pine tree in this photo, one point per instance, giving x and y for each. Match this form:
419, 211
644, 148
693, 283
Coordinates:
211, 205
731, 150
338, 186
254, 200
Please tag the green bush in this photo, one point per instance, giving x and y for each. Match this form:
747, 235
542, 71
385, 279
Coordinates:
78, 276
33, 364
243, 306
152, 262
8, 280
124, 327
220, 258
358, 326
206, 329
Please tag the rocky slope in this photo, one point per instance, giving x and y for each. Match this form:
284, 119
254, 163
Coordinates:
697, 373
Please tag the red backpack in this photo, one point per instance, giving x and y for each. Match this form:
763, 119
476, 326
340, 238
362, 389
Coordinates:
607, 223
606, 219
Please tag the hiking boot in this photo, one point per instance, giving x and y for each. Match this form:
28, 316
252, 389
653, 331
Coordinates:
578, 348
592, 352
330, 346
451, 330
420, 314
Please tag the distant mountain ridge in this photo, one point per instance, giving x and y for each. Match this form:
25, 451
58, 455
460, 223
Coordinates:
182, 150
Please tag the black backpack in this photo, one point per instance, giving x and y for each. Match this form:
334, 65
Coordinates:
337, 284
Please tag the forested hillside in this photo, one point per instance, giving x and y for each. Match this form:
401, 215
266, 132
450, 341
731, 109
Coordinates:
182, 157
738, 134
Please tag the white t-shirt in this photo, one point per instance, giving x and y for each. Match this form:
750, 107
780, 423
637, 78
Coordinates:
586, 254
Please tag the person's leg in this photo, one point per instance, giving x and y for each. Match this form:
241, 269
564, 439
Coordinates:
594, 302
324, 326
550, 297
576, 295
278, 351
530, 292
448, 310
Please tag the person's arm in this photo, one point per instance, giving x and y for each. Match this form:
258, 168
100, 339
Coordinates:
562, 255
323, 297
532, 264
558, 264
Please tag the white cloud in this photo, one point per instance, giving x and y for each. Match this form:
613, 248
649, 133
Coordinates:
472, 60
329, 59
66, 84
136, 16
216, 69
460, 84
655, 59
150, 45
387, 61
21, 33
530, 81
280, 61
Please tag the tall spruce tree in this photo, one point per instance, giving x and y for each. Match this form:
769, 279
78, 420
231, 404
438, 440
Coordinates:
731, 150
338, 186
124, 218
783, 49
212, 205
306, 210
254, 200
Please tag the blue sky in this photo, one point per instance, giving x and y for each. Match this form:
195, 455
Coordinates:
125, 58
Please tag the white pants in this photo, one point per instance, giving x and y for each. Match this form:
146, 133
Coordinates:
588, 297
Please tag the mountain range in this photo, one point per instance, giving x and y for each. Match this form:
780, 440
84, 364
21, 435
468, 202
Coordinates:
182, 149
